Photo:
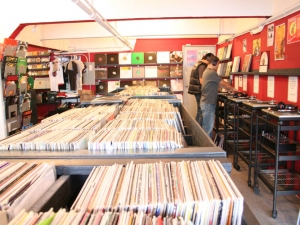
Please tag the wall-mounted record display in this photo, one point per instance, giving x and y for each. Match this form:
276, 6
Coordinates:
113, 72
113, 58
247, 63
112, 85
150, 71
176, 71
164, 83
263, 63
163, 71
100, 59
163, 57
101, 87
138, 72
101, 73
125, 72
125, 58
177, 85
137, 58
150, 57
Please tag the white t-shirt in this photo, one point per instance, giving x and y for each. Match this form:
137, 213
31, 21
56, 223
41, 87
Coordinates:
58, 78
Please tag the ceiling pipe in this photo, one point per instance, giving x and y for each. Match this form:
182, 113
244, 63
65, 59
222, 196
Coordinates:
95, 15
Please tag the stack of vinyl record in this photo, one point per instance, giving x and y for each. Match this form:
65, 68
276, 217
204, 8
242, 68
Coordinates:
51, 134
198, 192
140, 91
22, 184
142, 125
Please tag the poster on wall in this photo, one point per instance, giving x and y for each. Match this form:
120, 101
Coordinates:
245, 45
279, 42
245, 82
271, 84
293, 89
270, 34
191, 57
256, 84
293, 29
202, 53
256, 47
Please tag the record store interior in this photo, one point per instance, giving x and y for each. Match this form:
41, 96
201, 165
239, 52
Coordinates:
99, 125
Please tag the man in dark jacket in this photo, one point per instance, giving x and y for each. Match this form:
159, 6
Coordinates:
195, 83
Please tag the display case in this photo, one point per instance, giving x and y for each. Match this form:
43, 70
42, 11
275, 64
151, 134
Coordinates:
276, 141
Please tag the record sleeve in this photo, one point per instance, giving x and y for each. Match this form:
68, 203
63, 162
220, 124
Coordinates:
150, 71
163, 71
177, 85
112, 85
113, 58
247, 63
125, 58
138, 72
100, 59
125, 72
163, 57
100, 73
113, 72
263, 64
228, 53
137, 58
236, 64
101, 88
164, 83
150, 57
176, 56
176, 71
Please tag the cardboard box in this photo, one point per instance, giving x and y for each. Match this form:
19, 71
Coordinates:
86, 95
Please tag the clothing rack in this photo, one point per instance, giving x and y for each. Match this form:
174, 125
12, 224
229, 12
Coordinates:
58, 54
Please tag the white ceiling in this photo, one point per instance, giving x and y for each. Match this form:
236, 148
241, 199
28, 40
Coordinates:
132, 19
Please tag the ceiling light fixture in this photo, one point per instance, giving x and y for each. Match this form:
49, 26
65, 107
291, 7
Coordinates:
95, 15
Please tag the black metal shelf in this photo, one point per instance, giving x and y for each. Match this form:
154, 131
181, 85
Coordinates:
42, 69
287, 182
285, 155
37, 56
29, 63
272, 72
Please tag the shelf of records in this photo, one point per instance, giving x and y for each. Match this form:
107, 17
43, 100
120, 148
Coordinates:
38, 63
263, 67
186, 192
273, 72
147, 125
139, 72
138, 58
105, 87
224, 53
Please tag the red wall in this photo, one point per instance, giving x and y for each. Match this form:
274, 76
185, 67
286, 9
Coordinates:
292, 60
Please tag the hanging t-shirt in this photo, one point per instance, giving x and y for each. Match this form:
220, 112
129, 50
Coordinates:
80, 67
72, 74
55, 75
